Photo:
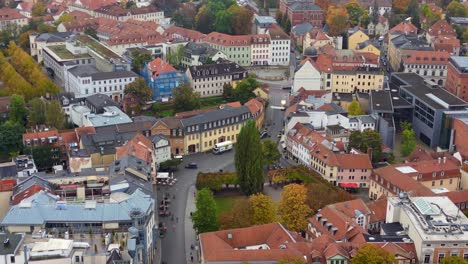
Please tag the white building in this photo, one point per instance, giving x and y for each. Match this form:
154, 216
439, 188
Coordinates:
10, 248
86, 80
431, 65
361, 123
11, 16
280, 46
307, 77
260, 49
37, 42
208, 80
25, 165
81, 116
436, 226
162, 145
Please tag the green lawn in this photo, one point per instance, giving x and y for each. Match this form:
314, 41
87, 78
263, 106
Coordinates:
226, 203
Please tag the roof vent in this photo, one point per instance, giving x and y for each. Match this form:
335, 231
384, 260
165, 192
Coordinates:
282, 246
229, 236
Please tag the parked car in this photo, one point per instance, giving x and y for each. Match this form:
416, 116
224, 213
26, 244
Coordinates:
179, 157
191, 166
264, 135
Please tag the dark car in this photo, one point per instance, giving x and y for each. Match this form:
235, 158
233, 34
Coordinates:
264, 135
191, 166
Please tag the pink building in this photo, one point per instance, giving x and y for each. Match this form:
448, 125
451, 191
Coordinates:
354, 170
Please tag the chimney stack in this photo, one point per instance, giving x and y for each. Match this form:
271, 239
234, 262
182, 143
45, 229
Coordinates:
439, 160
445, 159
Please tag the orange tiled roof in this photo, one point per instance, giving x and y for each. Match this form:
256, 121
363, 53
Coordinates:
227, 245
427, 57
354, 161
378, 210
25, 6
95, 4
41, 134
158, 65
404, 28
79, 15
228, 40
80, 131
139, 146
9, 14
441, 27
176, 32
254, 106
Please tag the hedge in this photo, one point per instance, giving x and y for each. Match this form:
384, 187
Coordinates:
215, 181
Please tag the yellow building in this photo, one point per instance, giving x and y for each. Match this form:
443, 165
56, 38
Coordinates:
203, 131
355, 38
367, 46
362, 80
262, 92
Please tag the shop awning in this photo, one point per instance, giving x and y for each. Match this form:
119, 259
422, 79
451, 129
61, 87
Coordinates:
349, 184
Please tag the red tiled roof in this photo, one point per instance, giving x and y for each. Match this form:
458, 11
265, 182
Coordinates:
447, 40
25, 6
188, 114
176, 32
69, 137
95, 4
404, 28
378, 210
427, 57
441, 27
457, 197
139, 146
254, 106
354, 161
227, 245
80, 131
231, 104
159, 66
9, 14
228, 40
41, 134
349, 208
79, 15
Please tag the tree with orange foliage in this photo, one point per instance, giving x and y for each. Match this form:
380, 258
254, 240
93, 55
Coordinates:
323, 4
337, 20
401, 6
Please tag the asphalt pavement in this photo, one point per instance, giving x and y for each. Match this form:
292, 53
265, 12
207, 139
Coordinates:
180, 234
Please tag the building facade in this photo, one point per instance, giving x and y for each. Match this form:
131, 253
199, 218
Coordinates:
432, 65
208, 80
280, 45
457, 77
9, 16
236, 48
299, 12
162, 78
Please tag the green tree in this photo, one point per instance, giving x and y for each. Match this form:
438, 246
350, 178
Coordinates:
456, 9
223, 22
65, 17
263, 209
355, 12
54, 115
169, 165
408, 139
248, 159
18, 111
10, 32
370, 254
293, 209
413, 12
205, 218
453, 260
355, 109
140, 89
38, 9
270, 152
37, 110
45, 157
227, 91
292, 260
368, 139
174, 56
241, 20
11, 138
244, 90
185, 99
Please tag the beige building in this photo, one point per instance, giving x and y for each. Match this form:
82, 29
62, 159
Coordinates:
202, 132
361, 80
356, 37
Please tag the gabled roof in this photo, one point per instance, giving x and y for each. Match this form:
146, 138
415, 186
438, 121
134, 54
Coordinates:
176, 32
230, 245
404, 28
29, 187
9, 14
228, 40
301, 29
441, 27
254, 105
378, 210
95, 4
139, 146
158, 65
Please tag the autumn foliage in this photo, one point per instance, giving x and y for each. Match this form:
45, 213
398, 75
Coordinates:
337, 20
293, 209
215, 181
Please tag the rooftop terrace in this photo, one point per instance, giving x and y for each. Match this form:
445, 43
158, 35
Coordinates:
100, 49
64, 54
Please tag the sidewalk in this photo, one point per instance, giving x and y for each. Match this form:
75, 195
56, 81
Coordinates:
190, 235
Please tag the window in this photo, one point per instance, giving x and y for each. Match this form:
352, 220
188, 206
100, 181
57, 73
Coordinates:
12, 259
441, 256
427, 258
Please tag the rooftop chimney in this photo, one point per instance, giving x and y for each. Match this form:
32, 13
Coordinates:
439, 160
445, 159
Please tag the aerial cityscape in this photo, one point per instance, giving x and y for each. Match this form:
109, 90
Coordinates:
233, 131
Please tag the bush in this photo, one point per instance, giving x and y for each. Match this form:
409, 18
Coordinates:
299, 173
215, 181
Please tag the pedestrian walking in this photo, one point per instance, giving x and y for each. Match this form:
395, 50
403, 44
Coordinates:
191, 257
192, 247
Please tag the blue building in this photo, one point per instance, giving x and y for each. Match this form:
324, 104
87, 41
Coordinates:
162, 77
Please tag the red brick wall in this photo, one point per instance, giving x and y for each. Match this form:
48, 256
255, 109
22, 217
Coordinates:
313, 17
461, 137
457, 83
